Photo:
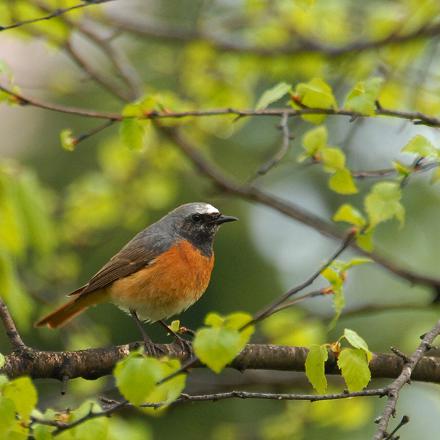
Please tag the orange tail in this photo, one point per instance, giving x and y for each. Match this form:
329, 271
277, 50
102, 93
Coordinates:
73, 308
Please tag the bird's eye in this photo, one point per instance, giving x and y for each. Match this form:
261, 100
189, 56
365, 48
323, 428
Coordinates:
197, 217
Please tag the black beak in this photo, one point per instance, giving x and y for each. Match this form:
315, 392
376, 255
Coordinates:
225, 219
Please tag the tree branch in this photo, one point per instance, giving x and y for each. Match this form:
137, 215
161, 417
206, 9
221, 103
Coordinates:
303, 46
406, 373
10, 328
54, 14
251, 193
97, 362
416, 117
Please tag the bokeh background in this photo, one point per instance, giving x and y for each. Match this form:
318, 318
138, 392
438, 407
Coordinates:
63, 213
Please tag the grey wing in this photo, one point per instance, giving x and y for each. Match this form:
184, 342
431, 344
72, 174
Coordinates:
138, 253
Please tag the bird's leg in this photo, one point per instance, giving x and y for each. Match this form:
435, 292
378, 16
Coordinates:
184, 344
150, 348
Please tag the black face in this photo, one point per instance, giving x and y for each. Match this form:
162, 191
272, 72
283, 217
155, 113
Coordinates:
200, 228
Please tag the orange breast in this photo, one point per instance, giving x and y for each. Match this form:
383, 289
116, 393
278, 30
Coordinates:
168, 285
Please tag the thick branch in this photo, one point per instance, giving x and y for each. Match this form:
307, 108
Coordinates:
97, 362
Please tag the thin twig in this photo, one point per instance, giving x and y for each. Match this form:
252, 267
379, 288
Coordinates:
416, 117
10, 328
252, 193
114, 406
283, 150
393, 390
54, 14
274, 306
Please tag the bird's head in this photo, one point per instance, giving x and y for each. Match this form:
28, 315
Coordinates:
198, 222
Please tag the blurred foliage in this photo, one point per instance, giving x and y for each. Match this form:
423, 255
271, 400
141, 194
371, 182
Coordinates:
64, 211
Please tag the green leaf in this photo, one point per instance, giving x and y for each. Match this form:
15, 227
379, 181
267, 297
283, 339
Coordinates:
2, 361
132, 132
175, 326
354, 262
315, 140
315, 94
315, 367
43, 432
357, 342
401, 169
93, 429
362, 97
421, 146
342, 182
332, 158
136, 377
354, 368
435, 176
332, 276
347, 213
214, 320
68, 141
167, 392
364, 239
383, 203
24, 395
273, 94
338, 304
7, 416
217, 347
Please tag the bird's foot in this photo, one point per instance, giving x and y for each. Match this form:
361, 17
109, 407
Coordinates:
153, 350
183, 343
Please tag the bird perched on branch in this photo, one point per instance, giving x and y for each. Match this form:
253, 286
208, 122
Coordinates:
161, 272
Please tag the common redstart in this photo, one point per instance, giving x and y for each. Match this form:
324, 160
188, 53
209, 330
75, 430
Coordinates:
161, 272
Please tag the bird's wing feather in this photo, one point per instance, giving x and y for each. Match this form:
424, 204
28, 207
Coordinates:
138, 253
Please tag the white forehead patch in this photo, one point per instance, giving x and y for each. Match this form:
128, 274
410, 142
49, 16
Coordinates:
209, 209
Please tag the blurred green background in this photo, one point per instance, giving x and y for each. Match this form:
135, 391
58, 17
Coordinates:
63, 214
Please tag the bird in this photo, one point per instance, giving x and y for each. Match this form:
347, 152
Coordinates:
161, 272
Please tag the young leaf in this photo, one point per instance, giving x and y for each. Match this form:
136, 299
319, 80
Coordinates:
219, 344
93, 429
167, 392
364, 240
422, 147
7, 416
315, 94
132, 132
383, 203
332, 158
24, 395
338, 305
342, 182
435, 176
216, 347
68, 141
43, 432
315, 140
349, 214
272, 95
136, 377
354, 368
315, 367
357, 342
363, 95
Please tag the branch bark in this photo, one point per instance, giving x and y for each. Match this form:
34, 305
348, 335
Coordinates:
97, 362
